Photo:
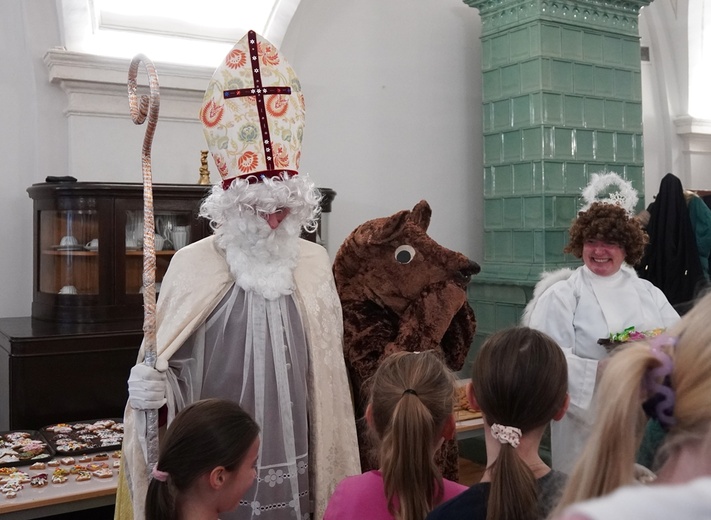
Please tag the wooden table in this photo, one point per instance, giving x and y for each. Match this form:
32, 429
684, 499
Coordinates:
52, 499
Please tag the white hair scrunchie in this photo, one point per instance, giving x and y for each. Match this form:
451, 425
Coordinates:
506, 434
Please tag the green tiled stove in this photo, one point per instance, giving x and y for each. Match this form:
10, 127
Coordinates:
561, 100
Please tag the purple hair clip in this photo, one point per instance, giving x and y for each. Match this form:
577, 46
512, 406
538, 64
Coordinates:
657, 381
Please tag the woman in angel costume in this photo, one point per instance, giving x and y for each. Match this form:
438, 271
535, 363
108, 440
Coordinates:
581, 309
251, 314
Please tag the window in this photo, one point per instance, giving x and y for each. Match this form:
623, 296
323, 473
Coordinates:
198, 33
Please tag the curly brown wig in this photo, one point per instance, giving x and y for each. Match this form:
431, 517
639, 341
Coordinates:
609, 223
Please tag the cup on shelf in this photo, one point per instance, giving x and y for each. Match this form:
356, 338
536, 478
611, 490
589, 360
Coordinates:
159, 241
92, 245
68, 289
180, 237
68, 241
131, 243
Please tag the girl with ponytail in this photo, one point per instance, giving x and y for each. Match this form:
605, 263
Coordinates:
667, 379
520, 384
410, 412
206, 462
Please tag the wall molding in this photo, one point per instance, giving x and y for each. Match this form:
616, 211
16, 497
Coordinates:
97, 85
695, 134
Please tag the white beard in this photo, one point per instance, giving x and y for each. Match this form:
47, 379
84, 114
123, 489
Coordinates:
261, 259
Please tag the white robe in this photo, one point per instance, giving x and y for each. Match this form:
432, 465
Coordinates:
578, 311
197, 281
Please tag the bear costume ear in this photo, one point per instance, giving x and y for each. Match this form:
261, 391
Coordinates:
381, 230
421, 214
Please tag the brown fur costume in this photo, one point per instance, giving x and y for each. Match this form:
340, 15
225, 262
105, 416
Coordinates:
401, 291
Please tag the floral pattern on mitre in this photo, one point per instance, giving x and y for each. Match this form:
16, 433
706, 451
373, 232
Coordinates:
232, 126
506, 434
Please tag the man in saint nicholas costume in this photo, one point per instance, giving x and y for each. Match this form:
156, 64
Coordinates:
251, 314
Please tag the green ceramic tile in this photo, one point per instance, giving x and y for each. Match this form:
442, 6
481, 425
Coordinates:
594, 113
625, 147
536, 108
513, 213
612, 50
521, 109
555, 241
548, 211
636, 86
487, 115
534, 33
492, 149
532, 143
499, 50
523, 246
502, 114
488, 181
539, 249
592, 47
633, 116
507, 316
512, 146
575, 178
572, 44
485, 314
520, 44
604, 82
511, 80
503, 180
562, 76
531, 79
553, 177
523, 178
563, 143
552, 108
614, 114
548, 143
566, 209
584, 144
503, 246
583, 79
488, 245
550, 40
533, 212
573, 111
623, 84
485, 54
491, 85
546, 82
605, 146
631, 54
493, 213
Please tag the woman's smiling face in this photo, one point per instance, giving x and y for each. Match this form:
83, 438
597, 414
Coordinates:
602, 258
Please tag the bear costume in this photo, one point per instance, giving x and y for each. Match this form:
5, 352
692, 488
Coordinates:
401, 291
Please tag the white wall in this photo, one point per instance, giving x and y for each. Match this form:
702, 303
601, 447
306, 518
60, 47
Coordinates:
393, 111
393, 116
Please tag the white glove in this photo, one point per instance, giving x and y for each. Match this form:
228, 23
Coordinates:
147, 386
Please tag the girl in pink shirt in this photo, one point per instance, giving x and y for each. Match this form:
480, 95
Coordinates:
410, 413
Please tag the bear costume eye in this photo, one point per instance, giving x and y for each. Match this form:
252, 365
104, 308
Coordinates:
405, 254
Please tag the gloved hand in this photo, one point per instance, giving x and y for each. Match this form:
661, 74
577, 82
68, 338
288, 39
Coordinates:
147, 386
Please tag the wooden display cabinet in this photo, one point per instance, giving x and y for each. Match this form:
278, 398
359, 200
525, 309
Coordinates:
88, 254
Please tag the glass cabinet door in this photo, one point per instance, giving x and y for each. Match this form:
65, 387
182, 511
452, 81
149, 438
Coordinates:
172, 232
69, 252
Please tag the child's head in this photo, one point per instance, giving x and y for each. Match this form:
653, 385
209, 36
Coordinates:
410, 411
520, 378
635, 374
520, 383
212, 439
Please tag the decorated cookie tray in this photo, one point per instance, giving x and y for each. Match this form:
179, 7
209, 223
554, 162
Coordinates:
81, 437
22, 447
